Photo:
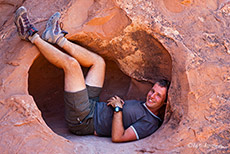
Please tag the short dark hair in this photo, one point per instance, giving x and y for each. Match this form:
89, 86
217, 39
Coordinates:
164, 83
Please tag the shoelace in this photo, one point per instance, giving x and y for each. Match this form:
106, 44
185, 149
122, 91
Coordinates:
27, 23
56, 31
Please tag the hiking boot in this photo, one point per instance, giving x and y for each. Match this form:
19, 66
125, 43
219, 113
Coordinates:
53, 32
25, 29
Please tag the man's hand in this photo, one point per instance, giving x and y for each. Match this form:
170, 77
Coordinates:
115, 101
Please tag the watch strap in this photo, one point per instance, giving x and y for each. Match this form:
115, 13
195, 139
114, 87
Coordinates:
117, 109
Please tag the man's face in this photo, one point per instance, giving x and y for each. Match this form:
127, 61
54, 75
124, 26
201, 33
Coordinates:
155, 97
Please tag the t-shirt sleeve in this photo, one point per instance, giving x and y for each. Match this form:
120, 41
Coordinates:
144, 128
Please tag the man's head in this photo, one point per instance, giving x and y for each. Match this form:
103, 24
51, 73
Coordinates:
157, 95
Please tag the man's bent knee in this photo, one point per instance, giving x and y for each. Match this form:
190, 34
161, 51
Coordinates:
101, 62
74, 78
71, 65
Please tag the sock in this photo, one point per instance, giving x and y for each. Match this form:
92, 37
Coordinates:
33, 37
61, 41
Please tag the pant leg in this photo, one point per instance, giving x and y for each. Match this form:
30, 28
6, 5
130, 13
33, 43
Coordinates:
79, 110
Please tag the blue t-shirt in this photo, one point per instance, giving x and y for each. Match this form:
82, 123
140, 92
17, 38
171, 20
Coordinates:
135, 115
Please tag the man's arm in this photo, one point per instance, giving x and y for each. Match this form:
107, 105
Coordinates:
119, 134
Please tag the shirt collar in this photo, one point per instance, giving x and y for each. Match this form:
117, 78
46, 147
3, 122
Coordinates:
151, 112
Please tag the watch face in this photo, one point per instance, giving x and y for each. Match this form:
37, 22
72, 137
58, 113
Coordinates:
116, 109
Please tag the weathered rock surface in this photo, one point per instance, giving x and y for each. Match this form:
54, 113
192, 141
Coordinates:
185, 41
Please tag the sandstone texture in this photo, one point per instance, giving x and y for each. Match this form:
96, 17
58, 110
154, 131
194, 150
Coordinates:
184, 41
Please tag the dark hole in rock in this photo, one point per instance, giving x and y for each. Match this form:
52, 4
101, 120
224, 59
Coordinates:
46, 85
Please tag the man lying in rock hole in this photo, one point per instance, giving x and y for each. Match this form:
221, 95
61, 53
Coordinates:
122, 120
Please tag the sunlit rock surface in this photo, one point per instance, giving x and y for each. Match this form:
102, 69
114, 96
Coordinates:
185, 41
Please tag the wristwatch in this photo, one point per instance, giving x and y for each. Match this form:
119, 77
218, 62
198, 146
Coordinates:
117, 109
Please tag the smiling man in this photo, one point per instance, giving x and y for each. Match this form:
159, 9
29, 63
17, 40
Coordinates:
131, 120
84, 114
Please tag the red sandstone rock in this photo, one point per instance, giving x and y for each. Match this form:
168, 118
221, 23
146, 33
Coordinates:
184, 41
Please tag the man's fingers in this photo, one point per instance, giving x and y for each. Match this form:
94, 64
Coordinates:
121, 100
114, 101
116, 98
112, 98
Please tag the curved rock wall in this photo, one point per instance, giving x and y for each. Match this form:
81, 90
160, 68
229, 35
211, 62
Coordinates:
185, 41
